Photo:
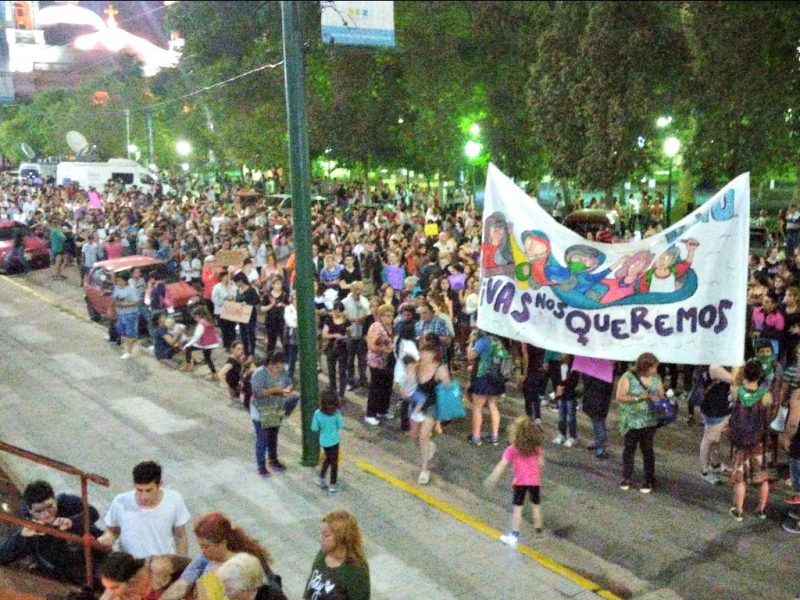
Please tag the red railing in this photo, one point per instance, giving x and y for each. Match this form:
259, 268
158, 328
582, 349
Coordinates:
86, 539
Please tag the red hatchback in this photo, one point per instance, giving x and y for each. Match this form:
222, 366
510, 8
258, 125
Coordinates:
36, 251
99, 284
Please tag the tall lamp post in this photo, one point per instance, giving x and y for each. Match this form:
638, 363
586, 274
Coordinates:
671, 147
472, 150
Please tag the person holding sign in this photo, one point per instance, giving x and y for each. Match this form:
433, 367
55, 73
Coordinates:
224, 291
248, 295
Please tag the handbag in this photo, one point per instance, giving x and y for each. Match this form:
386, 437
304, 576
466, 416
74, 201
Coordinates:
778, 424
449, 405
663, 410
270, 415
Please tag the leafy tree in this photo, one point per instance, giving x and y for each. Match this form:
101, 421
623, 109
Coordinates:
746, 85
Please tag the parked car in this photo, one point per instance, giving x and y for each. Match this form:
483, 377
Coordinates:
36, 251
591, 220
99, 284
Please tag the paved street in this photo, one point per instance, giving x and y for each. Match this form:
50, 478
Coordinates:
65, 393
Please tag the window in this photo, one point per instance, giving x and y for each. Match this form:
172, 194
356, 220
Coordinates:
126, 178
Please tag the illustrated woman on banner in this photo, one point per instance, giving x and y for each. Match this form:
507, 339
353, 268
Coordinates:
496, 249
666, 273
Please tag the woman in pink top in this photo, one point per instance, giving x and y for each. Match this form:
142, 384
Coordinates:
527, 457
113, 247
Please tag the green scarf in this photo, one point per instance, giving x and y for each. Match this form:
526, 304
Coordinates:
749, 398
767, 364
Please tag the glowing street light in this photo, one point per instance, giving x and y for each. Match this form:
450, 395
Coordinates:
663, 121
185, 167
472, 149
183, 148
132, 148
672, 146
475, 129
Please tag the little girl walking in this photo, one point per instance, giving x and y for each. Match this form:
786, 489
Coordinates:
527, 457
328, 421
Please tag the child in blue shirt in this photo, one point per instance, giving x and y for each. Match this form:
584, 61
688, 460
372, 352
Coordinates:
328, 421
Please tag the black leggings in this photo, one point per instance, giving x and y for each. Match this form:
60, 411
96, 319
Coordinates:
206, 356
332, 461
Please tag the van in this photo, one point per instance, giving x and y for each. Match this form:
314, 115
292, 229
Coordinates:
28, 171
97, 174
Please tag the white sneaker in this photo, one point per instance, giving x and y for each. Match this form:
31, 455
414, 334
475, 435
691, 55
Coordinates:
418, 417
125, 356
569, 442
371, 421
431, 449
424, 478
510, 540
559, 439
710, 478
151, 348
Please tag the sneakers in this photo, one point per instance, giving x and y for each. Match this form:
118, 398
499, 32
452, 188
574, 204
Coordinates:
371, 421
762, 515
475, 441
125, 356
418, 417
625, 485
721, 468
320, 482
349, 387
510, 539
569, 442
333, 488
537, 422
559, 439
710, 478
492, 439
431, 450
277, 466
793, 499
424, 478
646, 488
263, 473
601, 455
794, 514
790, 526
736, 514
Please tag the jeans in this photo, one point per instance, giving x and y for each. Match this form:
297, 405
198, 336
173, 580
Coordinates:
600, 435
332, 461
337, 366
291, 359
644, 439
794, 473
266, 443
567, 417
247, 331
356, 349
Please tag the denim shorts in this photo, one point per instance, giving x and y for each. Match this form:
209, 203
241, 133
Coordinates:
127, 325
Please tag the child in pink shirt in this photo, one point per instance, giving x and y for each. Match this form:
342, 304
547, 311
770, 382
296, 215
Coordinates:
527, 457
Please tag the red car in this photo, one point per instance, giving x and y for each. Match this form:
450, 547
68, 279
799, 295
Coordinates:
99, 284
36, 251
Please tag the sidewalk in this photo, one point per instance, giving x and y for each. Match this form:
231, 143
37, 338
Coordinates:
105, 415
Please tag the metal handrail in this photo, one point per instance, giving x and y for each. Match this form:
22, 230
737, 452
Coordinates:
86, 539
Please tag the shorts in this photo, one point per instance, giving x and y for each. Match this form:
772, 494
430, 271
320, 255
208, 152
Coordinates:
520, 491
485, 386
127, 325
749, 465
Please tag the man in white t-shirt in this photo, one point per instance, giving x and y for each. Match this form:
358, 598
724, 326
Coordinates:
150, 520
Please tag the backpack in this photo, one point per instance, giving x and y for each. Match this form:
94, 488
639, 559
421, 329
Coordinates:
747, 425
701, 384
501, 365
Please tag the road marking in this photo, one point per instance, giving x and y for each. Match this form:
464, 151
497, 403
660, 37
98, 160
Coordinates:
43, 298
540, 558
151, 415
77, 366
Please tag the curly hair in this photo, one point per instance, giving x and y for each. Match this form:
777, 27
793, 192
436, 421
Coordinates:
525, 436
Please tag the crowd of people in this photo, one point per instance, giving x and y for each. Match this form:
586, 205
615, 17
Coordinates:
396, 298
148, 527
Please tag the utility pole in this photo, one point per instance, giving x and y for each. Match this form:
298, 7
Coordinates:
294, 71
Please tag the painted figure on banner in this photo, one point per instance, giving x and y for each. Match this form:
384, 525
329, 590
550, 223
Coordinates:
496, 249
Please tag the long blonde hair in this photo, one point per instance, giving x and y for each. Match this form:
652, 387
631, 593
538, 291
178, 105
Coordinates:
348, 535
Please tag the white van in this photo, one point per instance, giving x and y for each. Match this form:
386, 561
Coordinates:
31, 170
97, 174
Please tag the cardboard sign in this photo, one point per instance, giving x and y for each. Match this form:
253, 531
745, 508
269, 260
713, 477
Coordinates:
431, 229
238, 312
230, 258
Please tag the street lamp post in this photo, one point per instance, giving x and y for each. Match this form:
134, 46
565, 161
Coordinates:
472, 150
671, 147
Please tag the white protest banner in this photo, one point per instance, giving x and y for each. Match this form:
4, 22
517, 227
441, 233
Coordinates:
679, 294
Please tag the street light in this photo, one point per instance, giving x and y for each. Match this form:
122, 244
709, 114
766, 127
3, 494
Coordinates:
132, 148
183, 148
472, 149
671, 147
663, 121
475, 129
